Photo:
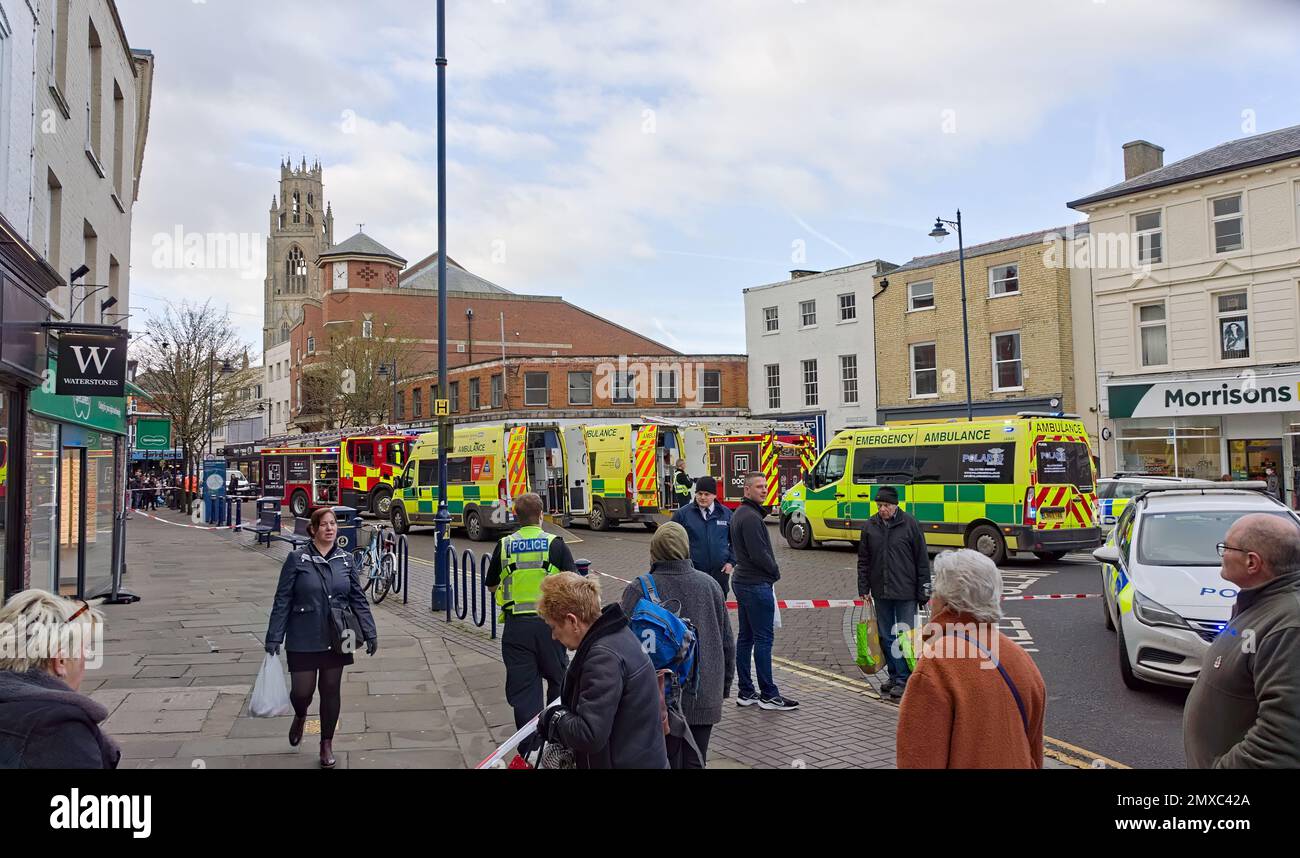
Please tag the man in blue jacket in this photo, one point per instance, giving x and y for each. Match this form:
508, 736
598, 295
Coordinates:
708, 524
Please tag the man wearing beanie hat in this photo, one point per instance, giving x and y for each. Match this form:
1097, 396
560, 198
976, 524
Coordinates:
679, 583
708, 524
893, 574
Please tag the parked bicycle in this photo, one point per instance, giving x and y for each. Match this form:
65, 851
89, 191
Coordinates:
376, 560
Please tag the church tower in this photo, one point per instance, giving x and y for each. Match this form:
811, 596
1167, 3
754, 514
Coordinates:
302, 228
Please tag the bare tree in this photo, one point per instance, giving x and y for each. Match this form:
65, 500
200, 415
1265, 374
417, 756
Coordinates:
344, 386
181, 357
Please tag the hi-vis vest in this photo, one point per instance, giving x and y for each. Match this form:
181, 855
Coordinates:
682, 485
525, 561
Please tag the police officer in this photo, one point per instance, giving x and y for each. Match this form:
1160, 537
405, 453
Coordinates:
515, 574
682, 484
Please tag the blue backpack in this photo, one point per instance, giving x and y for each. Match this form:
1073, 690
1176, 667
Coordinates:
668, 639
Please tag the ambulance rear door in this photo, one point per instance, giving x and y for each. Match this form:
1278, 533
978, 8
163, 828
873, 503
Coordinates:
575, 452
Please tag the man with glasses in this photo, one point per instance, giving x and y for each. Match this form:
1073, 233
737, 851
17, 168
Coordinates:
1244, 710
894, 576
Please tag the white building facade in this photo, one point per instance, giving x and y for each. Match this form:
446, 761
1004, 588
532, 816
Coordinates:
276, 388
1196, 287
811, 347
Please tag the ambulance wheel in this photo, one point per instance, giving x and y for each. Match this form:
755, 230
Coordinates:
1131, 679
473, 526
650, 526
381, 503
400, 522
597, 521
1050, 556
987, 541
298, 504
799, 535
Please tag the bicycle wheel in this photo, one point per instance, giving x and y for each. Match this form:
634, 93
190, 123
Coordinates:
383, 579
365, 563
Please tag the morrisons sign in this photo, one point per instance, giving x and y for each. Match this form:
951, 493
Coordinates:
1208, 396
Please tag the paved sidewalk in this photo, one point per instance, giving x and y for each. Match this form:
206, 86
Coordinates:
181, 664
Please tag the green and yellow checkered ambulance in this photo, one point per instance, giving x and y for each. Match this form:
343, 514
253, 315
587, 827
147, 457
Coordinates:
998, 485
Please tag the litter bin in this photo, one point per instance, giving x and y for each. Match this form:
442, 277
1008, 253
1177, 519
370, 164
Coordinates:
349, 522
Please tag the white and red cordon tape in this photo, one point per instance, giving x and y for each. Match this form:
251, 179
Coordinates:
857, 603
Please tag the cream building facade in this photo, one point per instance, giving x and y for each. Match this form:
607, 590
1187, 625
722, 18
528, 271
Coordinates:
1196, 287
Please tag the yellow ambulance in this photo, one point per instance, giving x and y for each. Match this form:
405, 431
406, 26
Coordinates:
1023, 484
628, 472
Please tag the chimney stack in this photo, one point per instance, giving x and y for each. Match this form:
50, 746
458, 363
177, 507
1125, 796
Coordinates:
1141, 157
796, 273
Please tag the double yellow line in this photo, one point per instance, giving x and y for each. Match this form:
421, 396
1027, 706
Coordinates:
1071, 755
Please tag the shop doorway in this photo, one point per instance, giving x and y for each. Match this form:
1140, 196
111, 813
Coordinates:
1251, 459
72, 522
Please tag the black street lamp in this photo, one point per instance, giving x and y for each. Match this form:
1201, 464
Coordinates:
226, 369
442, 547
385, 370
939, 234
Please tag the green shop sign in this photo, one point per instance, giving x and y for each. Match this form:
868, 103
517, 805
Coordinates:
106, 413
153, 434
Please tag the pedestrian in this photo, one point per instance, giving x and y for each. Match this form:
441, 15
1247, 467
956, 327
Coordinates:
314, 579
515, 573
755, 573
708, 524
893, 573
698, 598
1244, 709
609, 710
682, 484
45, 722
134, 486
1273, 483
977, 700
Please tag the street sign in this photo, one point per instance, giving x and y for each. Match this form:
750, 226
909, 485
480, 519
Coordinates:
153, 434
441, 408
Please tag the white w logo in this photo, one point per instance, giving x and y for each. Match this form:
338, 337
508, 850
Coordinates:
94, 356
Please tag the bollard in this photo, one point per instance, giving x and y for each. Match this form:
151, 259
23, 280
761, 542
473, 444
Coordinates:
239, 514
196, 511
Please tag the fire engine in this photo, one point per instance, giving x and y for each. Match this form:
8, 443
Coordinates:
304, 477
783, 452
360, 475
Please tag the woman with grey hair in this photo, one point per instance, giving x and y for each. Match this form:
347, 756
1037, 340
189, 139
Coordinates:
45, 723
976, 699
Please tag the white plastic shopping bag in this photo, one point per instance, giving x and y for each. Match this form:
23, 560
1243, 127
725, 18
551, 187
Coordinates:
271, 692
776, 610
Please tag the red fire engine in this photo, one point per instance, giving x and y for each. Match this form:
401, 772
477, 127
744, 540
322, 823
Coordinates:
303, 477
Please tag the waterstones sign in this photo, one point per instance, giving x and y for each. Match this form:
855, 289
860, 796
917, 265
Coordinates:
1254, 393
91, 364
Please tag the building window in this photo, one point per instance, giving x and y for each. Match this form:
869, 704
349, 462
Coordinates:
1234, 326
849, 378
1227, 224
623, 388
1004, 279
367, 329
1154, 335
537, 388
920, 296
807, 313
119, 142
453, 396
295, 268
579, 388
284, 332
475, 395
771, 321
810, 382
498, 390
665, 385
297, 207
711, 387
53, 219
417, 402
773, 385
311, 345
848, 307
94, 132
925, 372
1150, 239
1007, 373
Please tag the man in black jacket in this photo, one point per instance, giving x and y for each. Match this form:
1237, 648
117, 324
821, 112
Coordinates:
755, 573
894, 574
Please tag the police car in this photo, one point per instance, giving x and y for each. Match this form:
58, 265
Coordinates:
1161, 584
1114, 494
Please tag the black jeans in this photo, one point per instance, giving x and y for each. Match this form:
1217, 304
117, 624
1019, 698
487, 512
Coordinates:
680, 755
531, 655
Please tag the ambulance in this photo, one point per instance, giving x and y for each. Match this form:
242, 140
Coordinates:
1001, 486
628, 470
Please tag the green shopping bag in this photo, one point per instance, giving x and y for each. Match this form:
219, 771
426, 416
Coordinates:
870, 659
910, 641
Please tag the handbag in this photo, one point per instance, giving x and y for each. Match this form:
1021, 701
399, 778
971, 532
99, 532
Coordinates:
345, 629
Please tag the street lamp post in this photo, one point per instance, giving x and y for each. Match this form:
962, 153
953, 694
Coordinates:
212, 366
386, 369
442, 551
939, 234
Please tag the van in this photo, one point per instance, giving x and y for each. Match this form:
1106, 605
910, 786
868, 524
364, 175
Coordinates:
1001, 486
629, 470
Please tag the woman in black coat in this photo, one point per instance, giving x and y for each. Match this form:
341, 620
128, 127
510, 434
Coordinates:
313, 579
610, 712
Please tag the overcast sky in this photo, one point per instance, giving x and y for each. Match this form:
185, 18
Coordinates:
649, 160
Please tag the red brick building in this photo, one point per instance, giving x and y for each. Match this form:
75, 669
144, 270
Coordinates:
366, 291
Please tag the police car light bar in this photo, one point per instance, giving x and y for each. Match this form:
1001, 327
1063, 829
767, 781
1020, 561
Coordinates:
1203, 488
